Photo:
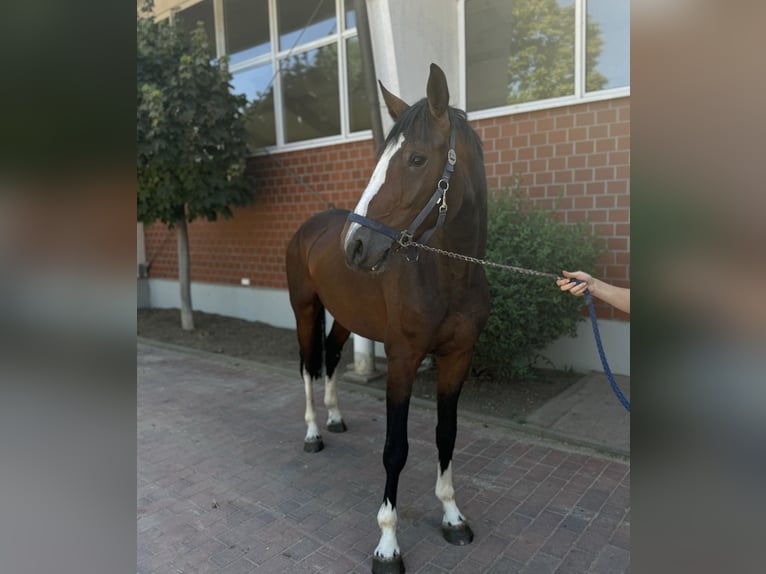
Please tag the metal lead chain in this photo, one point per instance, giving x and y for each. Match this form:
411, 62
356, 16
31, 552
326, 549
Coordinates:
470, 259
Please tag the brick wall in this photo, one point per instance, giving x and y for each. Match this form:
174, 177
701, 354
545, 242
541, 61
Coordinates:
574, 161
290, 187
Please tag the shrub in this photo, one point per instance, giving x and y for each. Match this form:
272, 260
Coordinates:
529, 312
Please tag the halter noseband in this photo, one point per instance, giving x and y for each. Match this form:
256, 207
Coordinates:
439, 197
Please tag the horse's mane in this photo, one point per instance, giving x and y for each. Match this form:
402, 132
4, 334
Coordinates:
419, 115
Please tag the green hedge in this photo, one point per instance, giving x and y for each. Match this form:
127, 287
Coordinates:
529, 312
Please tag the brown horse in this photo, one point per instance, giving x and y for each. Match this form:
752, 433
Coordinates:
429, 182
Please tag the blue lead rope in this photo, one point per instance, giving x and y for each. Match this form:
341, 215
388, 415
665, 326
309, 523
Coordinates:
597, 335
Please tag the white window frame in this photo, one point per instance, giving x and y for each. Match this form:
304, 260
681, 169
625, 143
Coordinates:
275, 57
579, 97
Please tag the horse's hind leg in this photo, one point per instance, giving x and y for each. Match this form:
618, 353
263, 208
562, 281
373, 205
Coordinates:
310, 327
333, 347
453, 370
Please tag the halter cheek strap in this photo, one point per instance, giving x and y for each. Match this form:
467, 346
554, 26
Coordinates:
439, 197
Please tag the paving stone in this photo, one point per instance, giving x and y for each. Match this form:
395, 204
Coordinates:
224, 486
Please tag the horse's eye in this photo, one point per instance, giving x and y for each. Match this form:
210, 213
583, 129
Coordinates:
417, 160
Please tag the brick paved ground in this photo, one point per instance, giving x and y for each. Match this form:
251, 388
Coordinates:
224, 485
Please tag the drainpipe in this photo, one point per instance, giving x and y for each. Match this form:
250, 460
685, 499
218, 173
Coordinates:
368, 67
364, 349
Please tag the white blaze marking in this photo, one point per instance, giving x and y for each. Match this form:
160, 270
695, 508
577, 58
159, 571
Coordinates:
388, 547
446, 493
376, 182
331, 399
312, 432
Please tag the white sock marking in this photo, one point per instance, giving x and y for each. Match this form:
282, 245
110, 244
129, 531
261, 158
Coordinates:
446, 493
331, 399
388, 547
312, 431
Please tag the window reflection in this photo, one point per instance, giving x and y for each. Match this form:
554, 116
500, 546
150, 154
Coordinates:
310, 97
524, 50
293, 17
350, 15
608, 58
359, 111
201, 12
256, 84
247, 28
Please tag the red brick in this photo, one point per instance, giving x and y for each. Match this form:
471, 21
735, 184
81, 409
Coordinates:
520, 141
606, 116
597, 160
585, 119
605, 201
617, 186
557, 136
545, 124
564, 150
619, 129
576, 134
557, 162
575, 161
525, 153
544, 151
595, 188
526, 127
565, 121
619, 215
603, 173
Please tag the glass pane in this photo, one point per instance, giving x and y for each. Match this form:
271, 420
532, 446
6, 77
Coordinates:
256, 84
607, 62
518, 51
358, 107
247, 28
201, 12
350, 15
295, 28
311, 104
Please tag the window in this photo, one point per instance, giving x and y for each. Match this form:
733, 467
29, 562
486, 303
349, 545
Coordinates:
298, 63
533, 52
200, 12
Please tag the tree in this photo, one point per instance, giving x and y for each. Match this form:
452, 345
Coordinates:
191, 136
541, 64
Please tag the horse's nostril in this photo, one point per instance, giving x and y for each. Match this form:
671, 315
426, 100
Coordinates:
356, 251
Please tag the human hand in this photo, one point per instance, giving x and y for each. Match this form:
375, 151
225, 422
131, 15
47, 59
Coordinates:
585, 281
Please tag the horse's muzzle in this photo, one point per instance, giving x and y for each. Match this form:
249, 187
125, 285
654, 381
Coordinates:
366, 251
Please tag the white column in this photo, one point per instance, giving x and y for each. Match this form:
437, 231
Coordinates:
364, 355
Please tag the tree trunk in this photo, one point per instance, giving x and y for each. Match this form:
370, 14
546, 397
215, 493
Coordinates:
184, 276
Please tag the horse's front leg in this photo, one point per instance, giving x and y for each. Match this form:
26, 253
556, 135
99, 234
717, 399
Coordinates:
401, 373
453, 370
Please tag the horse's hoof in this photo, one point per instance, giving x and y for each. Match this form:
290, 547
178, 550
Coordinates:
313, 445
337, 426
460, 534
393, 566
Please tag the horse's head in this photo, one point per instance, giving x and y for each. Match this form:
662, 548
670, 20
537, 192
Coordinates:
407, 192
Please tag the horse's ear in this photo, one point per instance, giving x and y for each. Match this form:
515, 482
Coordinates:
396, 106
437, 91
